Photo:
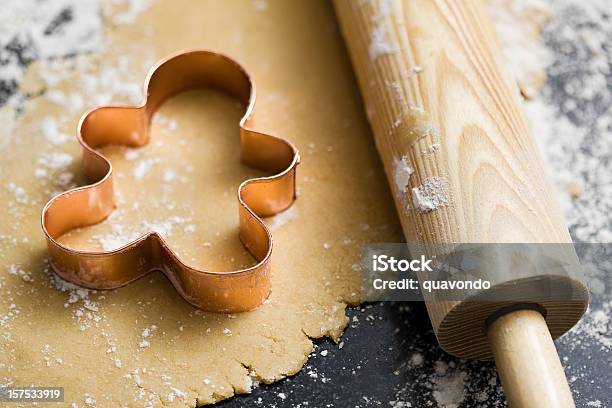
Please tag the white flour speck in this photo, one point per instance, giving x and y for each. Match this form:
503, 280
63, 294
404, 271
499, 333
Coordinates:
380, 44
142, 168
48, 127
430, 195
282, 218
402, 170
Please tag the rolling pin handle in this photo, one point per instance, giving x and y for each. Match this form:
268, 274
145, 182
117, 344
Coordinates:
527, 361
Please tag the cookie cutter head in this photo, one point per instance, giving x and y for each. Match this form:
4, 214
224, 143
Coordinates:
234, 291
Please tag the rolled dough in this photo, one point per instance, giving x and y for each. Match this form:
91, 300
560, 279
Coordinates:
142, 345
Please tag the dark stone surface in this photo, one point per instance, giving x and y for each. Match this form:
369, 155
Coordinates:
373, 368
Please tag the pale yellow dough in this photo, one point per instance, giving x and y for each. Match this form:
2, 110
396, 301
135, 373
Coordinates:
142, 345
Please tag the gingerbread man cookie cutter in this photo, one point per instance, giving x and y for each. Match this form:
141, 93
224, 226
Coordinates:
233, 291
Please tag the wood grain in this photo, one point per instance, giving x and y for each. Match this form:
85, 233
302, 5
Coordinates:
439, 102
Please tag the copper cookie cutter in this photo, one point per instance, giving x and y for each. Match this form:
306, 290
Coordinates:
234, 291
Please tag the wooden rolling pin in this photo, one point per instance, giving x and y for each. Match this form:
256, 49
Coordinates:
463, 168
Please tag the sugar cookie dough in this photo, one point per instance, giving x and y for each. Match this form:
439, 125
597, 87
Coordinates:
142, 345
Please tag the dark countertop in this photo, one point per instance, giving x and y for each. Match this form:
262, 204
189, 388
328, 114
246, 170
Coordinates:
374, 368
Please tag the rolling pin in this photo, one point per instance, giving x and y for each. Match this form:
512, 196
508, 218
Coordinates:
463, 168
